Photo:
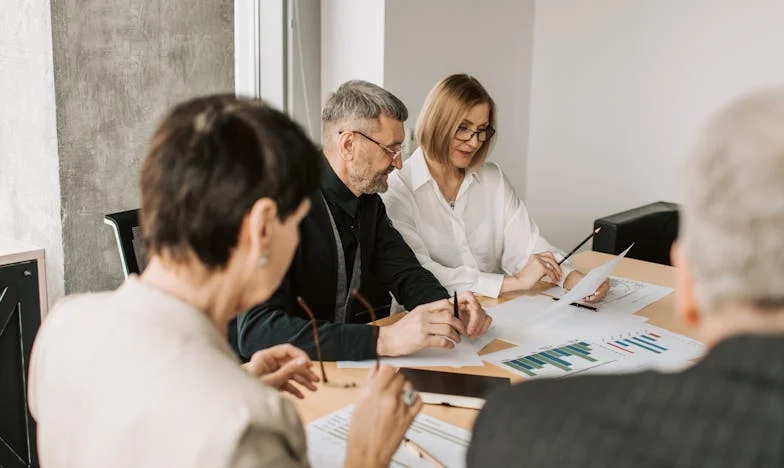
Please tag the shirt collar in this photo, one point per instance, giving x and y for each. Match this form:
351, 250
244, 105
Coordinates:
336, 191
420, 173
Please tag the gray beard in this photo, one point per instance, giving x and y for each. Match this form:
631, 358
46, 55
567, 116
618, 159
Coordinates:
377, 184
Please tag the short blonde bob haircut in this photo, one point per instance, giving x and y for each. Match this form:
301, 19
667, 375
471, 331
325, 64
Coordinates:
445, 107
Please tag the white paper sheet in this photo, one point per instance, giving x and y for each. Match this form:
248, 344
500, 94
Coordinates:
465, 353
592, 280
529, 319
327, 440
622, 350
626, 296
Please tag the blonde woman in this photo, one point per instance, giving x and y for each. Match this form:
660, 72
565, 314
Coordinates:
143, 376
459, 213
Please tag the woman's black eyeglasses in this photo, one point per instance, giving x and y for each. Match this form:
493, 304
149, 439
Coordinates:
465, 134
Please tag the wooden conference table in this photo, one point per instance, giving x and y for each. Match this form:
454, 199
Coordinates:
660, 313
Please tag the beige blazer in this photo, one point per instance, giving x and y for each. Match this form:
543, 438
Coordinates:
138, 378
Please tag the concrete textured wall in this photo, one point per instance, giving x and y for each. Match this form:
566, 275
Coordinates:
118, 66
29, 181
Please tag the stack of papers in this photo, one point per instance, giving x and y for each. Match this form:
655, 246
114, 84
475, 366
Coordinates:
328, 436
626, 296
535, 322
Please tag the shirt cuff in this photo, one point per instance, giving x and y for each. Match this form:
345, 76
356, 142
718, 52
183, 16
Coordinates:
488, 284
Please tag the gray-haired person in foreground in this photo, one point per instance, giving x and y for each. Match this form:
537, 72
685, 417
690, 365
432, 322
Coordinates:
727, 410
347, 243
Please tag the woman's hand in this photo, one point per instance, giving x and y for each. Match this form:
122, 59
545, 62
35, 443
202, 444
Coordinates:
381, 418
539, 266
575, 277
280, 366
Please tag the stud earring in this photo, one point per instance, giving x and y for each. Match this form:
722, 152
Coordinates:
262, 261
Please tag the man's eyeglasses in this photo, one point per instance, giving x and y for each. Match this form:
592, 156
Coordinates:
394, 151
332, 383
465, 134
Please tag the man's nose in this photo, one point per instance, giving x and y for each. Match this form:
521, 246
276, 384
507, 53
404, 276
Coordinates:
397, 161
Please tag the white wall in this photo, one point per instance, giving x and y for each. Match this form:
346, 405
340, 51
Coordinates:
620, 90
29, 177
352, 42
426, 41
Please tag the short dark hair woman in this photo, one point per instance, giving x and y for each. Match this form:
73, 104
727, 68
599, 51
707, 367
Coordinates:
143, 376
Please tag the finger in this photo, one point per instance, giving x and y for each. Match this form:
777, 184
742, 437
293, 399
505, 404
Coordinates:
411, 411
438, 341
287, 352
305, 381
545, 269
475, 317
442, 329
549, 255
383, 377
553, 267
395, 385
288, 370
415, 408
467, 297
446, 316
288, 387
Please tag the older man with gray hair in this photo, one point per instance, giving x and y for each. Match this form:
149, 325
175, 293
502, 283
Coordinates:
727, 410
347, 244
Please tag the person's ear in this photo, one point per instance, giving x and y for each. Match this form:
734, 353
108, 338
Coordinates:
686, 304
259, 224
346, 144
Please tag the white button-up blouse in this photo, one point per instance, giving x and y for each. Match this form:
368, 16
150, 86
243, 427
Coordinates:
488, 233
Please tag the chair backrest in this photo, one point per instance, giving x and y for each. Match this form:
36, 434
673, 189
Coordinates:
653, 228
128, 235
129, 240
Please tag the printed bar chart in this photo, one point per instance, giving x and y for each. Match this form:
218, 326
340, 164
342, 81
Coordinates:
643, 342
643, 347
562, 360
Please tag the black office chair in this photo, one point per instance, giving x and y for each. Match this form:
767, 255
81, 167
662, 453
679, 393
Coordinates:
653, 228
128, 235
129, 241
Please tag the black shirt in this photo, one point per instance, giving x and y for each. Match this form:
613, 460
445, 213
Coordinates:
386, 260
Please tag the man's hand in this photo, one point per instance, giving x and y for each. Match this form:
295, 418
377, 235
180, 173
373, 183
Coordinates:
575, 277
539, 266
280, 366
380, 420
474, 318
430, 325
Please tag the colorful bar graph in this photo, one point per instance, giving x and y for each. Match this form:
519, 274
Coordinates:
643, 341
556, 357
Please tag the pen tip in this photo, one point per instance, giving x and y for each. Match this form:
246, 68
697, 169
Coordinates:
597, 230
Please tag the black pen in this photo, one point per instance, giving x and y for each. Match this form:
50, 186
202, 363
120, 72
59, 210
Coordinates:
577, 304
596, 231
457, 315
